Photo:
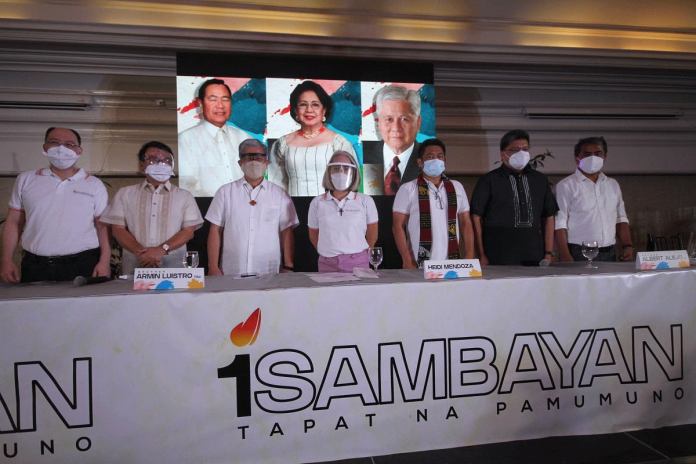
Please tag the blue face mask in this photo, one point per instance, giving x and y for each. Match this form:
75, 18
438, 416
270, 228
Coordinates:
434, 167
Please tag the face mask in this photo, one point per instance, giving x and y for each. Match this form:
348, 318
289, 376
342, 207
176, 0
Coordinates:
434, 167
591, 164
341, 180
160, 172
61, 157
253, 169
519, 160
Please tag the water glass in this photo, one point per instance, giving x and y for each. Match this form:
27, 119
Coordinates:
376, 257
590, 250
191, 259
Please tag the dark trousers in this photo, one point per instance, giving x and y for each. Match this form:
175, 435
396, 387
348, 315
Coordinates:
37, 268
605, 253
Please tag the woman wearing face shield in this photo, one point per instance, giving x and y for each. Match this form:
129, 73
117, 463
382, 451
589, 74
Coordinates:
342, 222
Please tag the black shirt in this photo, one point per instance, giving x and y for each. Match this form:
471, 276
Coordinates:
511, 205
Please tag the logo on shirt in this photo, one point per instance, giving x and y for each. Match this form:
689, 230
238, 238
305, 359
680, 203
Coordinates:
245, 333
91, 195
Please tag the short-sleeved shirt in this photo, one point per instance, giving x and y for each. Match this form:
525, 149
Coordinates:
342, 224
208, 157
511, 205
251, 234
153, 215
590, 210
59, 213
406, 202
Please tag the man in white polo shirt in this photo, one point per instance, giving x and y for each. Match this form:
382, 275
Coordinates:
154, 219
55, 210
591, 207
251, 221
431, 213
208, 151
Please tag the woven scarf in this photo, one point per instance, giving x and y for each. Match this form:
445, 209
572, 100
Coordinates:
426, 233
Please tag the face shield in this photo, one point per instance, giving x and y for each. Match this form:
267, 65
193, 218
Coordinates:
342, 175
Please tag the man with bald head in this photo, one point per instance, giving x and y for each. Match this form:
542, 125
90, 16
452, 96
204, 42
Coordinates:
55, 212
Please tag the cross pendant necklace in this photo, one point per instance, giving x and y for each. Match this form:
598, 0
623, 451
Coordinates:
252, 200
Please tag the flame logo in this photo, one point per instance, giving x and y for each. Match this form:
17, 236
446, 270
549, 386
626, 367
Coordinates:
246, 332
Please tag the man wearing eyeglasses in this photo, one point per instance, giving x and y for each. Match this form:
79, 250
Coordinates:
430, 218
55, 211
208, 151
153, 220
512, 208
251, 221
591, 207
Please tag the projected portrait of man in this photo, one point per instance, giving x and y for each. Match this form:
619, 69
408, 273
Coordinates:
208, 151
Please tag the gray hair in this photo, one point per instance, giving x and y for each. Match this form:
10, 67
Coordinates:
248, 143
397, 92
326, 182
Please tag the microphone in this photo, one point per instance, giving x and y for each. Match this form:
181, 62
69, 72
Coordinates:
80, 280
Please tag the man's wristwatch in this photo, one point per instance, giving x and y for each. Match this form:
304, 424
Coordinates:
165, 247
628, 245
288, 268
547, 252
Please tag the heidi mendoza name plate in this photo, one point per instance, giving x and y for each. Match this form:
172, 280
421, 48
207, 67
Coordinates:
452, 269
168, 278
662, 259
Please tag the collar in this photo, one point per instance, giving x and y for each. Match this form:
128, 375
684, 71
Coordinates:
507, 171
79, 175
580, 177
389, 155
167, 185
212, 129
329, 197
248, 185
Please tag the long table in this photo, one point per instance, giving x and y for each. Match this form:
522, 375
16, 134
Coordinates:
281, 369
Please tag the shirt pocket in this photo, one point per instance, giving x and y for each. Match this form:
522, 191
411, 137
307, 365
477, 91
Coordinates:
270, 214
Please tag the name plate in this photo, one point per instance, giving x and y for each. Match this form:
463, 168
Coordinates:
452, 269
662, 259
168, 278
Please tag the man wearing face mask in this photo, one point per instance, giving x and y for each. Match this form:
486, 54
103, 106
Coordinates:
591, 207
55, 211
251, 221
431, 213
153, 220
513, 207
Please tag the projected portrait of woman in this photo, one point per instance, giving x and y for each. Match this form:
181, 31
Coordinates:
299, 158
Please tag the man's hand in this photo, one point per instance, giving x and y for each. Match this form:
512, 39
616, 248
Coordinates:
626, 254
214, 271
102, 269
9, 272
150, 256
410, 264
483, 259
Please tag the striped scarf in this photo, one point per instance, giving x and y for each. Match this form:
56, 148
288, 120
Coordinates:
426, 233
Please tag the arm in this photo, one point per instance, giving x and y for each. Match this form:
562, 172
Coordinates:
103, 267
548, 223
466, 235
313, 236
371, 235
478, 236
214, 241
14, 224
562, 242
153, 255
624, 234
287, 240
399, 221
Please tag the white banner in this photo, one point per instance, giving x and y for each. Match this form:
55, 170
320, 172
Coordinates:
336, 372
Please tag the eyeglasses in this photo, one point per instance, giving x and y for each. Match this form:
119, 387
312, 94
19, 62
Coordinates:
151, 161
316, 106
599, 153
518, 149
55, 143
252, 156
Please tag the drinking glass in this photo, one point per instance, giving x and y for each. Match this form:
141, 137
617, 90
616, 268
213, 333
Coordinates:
191, 259
376, 257
590, 250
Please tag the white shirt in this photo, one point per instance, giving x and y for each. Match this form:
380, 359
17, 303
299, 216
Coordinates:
208, 157
251, 235
342, 224
406, 202
153, 215
389, 155
59, 214
589, 210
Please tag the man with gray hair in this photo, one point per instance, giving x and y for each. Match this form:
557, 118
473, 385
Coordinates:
397, 120
251, 221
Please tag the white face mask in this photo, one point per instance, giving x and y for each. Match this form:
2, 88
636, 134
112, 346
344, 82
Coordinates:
160, 172
254, 169
341, 180
519, 160
591, 164
434, 167
61, 157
